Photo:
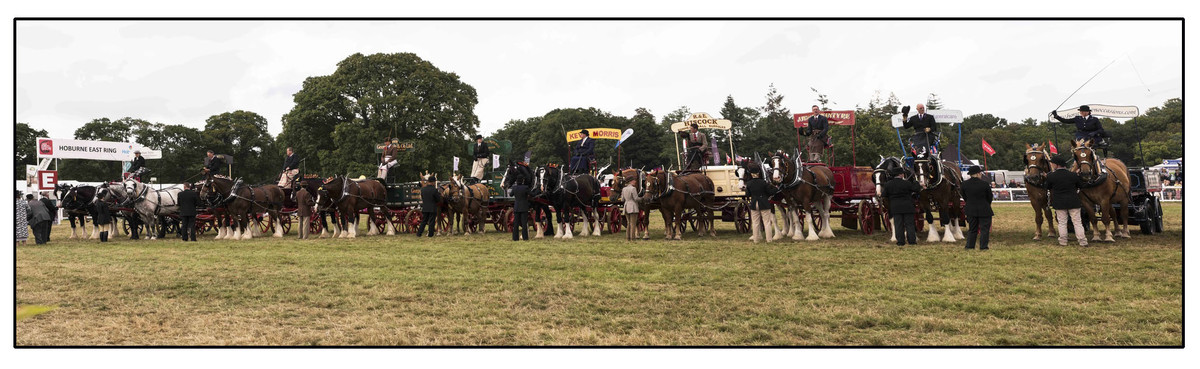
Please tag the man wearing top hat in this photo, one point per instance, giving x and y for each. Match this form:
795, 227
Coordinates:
583, 153
900, 192
1086, 126
978, 196
387, 159
1064, 198
482, 156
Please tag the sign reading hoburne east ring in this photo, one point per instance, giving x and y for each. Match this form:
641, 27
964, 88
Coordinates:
702, 121
61, 148
595, 134
835, 117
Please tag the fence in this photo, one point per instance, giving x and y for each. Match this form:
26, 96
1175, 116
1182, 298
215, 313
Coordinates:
1168, 194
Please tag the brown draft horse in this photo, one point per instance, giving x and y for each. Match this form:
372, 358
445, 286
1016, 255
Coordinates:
349, 196
620, 178
241, 200
467, 204
674, 193
1102, 187
1037, 166
803, 188
940, 181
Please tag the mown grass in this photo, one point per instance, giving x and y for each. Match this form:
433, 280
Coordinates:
487, 290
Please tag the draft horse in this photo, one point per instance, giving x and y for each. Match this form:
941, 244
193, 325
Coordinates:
1037, 166
76, 203
803, 188
467, 204
240, 201
539, 211
939, 181
349, 196
1106, 182
675, 193
569, 194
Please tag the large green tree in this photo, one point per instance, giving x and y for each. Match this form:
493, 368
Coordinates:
25, 137
370, 97
643, 149
243, 134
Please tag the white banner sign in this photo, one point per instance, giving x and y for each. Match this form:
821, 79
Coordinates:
455, 163
940, 116
31, 176
1100, 110
63, 148
624, 136
495, 161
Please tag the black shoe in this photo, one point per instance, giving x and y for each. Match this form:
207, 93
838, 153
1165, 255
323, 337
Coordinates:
982, 248
970, 248
899, 243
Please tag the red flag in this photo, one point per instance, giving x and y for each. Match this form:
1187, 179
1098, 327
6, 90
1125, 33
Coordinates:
1053, 150
987, 148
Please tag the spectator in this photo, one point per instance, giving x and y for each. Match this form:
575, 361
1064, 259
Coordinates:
760, 193
39, 217
102, 218
21, 216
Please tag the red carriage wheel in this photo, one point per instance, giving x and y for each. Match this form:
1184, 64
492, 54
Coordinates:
286, 221
741, 219
644, 220
396, 218
885, 219
379, 219
602, 217
866, 217
443, 222
314, 224
264, 224
616, 220
412, 220
505, 223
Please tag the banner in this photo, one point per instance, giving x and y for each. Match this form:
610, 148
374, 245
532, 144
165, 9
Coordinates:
1101, 110
400, 146
595, 134
62, 148
31, 176
495, 161
455, 163
940, 116
835, 117
47, 179
624, 136
1053, 150
987, 148
702, 121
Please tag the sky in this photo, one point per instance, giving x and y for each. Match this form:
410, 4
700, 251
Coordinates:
182, 72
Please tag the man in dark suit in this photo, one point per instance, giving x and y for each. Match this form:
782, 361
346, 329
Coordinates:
760, 193
1086, 126
520, 194
39, 219
924, 128
188, 199
482, 155
213, 164
818, 134
900, 192
583, 153
697, 147
291, 168
431, 199
978, 196
136, 164
1064, 198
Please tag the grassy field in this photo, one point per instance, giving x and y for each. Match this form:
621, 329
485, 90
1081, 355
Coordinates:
487, 290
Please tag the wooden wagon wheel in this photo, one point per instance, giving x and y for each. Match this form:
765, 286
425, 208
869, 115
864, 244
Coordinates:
741, 217
505, 221
203, 225
644, 220
443, 222
396, 218
412, 220
379, 219
616, 220
286, 221
264, 223
125, 225
314, 224
866, 217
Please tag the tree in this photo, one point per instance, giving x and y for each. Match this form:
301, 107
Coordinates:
370, 97
822, 99
933, 102
742, 119
243, 134
25, 137
308, 127
644, 148
671, 139
774, 130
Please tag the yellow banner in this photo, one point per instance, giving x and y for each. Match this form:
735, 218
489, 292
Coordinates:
595, 134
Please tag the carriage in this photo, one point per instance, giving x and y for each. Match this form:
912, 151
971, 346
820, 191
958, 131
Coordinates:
729, 204
1145, 208
854, 200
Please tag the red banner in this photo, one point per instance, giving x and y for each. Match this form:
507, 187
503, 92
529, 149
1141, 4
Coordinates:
835, 117
1053, 150
987, 148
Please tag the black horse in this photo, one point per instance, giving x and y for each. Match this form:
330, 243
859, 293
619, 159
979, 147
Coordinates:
566, 194
519, 173
77, 204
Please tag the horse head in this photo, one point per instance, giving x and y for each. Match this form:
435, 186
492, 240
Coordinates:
1037, 164
1085, 159
926, 167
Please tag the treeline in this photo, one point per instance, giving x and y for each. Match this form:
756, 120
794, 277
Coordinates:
337, 120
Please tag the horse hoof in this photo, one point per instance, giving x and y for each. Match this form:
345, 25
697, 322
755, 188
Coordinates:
1037, 238
811, 238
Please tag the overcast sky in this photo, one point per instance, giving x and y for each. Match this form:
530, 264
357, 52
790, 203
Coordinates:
182, 72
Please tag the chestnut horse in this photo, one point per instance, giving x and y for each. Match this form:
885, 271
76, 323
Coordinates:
1037, 166
349, 196
674, 193
466, 203
804, 188
1106, 182
940, 181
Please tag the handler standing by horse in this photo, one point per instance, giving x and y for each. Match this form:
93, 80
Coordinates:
978, 196
630, 195
818, 134
1064, 197
760, 206
899, 192
520, 225
291, 167
431, 199
188, 199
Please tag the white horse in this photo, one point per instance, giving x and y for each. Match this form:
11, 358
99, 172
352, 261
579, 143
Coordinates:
151, 203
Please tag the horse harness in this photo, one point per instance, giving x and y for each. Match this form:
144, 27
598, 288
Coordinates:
1039, 180
157, 199
799, 179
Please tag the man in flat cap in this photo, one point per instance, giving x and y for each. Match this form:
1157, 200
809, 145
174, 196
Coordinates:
482, 156
136, 165
978, 196
1064, 198
899, 192
1086, 126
